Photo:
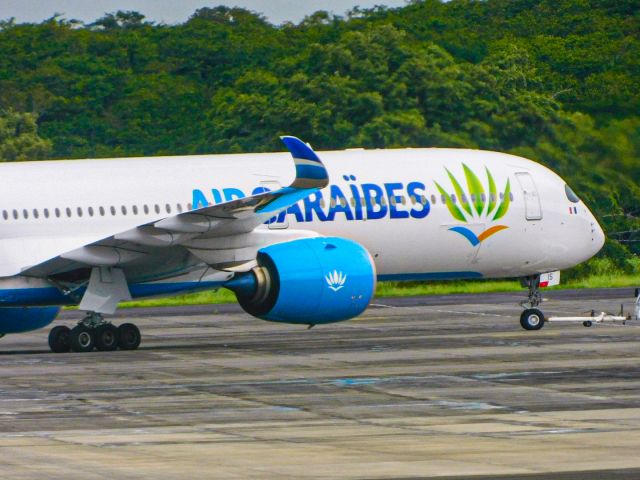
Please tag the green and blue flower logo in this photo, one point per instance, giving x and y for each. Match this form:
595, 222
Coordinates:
476, 204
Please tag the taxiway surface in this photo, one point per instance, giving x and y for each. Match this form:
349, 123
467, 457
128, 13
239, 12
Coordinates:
415, 388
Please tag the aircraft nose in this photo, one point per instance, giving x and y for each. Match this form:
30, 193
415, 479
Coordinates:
596, 234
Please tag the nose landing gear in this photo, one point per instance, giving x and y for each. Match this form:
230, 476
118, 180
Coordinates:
532, 318
94, 332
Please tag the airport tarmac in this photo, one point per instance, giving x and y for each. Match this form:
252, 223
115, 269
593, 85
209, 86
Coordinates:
444, 387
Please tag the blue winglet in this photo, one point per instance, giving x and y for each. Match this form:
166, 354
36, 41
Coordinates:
299, 149
311, 176
310, 171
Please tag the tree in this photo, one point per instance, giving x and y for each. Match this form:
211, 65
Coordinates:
120, 19
19, 138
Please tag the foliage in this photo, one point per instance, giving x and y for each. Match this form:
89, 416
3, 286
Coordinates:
557, 81
19, 137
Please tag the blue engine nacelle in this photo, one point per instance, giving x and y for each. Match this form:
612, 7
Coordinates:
24, 319
308, 281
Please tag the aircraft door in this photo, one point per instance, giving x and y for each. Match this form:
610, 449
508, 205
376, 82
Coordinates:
532, 205
273, 222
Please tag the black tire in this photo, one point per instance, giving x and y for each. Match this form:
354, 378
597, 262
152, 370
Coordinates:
587, 323
128, 336
106, 338
81, 339
59, 339
532, 319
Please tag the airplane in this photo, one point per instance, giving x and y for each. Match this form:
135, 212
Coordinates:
300, 242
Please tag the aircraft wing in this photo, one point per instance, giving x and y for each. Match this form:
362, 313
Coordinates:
193, 229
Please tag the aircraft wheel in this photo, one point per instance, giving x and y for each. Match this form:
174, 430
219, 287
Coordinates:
128, 336
81, 339
106, 338
532, 319
59, 339
588, 323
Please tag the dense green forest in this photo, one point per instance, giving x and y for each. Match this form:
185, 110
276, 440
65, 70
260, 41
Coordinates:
557, 81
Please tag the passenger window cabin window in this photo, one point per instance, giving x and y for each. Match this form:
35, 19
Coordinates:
134, 209
68, 212
25, 213
35, 213
146, 209
443, 198
511, 196
57, 212
501, 196
101, 210
79, 211
179, 207
123, 209
433, 199
157, 208
113, 210
453, 198
90, 210
46, 213
168, 208
5, 215
189, 206
15, 214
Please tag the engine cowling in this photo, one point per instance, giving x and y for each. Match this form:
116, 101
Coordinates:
24, 319
308, 281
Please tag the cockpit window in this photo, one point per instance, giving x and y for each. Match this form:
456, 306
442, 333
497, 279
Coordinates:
571, 195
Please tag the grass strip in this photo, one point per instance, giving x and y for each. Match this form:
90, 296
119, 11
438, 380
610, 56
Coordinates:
405, 289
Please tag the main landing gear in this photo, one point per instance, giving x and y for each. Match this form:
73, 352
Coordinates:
532, 318
94, 332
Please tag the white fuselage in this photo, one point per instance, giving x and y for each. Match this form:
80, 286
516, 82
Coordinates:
47, 208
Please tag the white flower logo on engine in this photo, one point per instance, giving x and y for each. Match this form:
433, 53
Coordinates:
336, 280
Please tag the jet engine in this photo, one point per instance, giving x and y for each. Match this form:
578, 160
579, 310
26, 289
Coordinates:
308, 281
24, 319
